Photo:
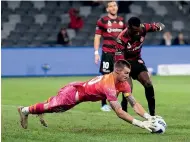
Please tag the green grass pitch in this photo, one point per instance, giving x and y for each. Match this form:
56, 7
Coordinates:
86, 123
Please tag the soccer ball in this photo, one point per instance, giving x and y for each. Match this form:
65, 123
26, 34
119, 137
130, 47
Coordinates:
160, 126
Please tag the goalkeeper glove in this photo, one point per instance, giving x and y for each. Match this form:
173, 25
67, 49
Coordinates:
145, 124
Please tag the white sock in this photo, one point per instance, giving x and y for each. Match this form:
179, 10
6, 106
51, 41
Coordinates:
25, 110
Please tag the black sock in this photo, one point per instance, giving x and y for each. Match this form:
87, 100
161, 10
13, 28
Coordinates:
104, 102
124, 103
149, 91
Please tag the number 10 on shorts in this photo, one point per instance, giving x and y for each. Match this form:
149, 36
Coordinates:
105, 65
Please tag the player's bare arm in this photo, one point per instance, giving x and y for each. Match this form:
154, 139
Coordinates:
138, 107
127, 117
97, 38
120, 113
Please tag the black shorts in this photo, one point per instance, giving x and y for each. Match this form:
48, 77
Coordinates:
107, 62
137, 66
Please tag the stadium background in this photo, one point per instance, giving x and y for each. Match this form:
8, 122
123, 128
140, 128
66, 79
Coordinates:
29, 48
29, 35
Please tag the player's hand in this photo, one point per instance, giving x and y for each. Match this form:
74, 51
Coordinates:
160, 26
145, 124
148, 125
152, 118
97, 58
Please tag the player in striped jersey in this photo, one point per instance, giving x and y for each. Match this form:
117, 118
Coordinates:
130, 42
107, 27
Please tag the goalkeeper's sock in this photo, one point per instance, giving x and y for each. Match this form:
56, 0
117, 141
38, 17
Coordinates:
37, 108
149, 91
25, 110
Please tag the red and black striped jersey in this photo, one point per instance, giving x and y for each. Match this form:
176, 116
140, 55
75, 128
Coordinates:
109, 29
131, 46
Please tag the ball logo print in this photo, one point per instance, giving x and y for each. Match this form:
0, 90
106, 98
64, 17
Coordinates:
162, 123
160, 126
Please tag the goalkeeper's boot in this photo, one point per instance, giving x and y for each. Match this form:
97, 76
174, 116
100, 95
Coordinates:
42, 121
23, 118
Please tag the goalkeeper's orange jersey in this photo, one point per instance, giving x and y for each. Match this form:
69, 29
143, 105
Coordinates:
101, 87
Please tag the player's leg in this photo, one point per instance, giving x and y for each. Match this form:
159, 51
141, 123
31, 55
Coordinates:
103, 102
38, 109
106, 66
124, 102
41, 116
145, 80
64, 101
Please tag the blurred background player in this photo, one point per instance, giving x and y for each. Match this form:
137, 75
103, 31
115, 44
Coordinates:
130, 41
101, 87
107, 27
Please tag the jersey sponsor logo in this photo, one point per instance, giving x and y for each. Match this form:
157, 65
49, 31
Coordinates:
109, 23
97, 28
109, 30
120, 23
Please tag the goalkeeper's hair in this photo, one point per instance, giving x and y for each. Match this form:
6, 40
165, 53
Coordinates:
134, 21
121, 64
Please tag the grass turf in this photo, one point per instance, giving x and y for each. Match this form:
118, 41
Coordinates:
86, 122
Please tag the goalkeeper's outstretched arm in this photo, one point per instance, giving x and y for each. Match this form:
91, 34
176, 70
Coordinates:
127, 117
137, 107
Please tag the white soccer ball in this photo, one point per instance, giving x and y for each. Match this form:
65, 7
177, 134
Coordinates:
160, 126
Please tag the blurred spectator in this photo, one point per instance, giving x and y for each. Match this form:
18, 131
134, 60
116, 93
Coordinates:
167, 39
179, 40
76, 20
62, 37
183, 6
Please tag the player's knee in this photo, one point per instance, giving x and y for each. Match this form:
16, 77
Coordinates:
148, 83
46, 106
